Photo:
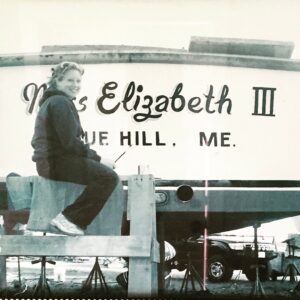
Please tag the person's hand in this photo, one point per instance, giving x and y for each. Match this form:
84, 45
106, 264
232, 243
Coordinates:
108, 162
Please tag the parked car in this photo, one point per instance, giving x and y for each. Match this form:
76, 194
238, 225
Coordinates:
223, 257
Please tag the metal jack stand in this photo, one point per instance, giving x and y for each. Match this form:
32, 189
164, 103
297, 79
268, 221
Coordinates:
42, 286
257, 289
291, 269
297, 287
97, 274
191, 275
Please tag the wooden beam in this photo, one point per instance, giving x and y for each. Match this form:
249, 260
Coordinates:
234, 46
119, 246
142, 277
130, 56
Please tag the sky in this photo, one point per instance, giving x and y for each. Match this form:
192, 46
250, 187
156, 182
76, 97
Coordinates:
27, 25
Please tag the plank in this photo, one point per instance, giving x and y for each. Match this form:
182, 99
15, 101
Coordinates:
119, 246
142, 280
139, 56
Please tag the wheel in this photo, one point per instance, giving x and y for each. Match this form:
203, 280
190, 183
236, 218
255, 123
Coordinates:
273, 276
218, 269
264, 273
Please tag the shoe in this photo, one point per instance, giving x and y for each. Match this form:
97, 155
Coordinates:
65, 226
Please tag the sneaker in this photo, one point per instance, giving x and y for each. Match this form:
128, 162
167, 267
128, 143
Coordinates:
65, 226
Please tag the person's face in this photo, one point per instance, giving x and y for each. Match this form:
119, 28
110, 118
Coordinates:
70, 83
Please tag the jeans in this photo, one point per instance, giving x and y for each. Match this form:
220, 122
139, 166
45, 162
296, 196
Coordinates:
99, 179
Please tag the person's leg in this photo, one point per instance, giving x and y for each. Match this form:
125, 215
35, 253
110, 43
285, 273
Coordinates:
100, 182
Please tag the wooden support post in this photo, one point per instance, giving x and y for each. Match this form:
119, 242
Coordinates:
142, 280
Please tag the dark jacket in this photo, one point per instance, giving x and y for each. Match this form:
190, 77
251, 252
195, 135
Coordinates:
58, 130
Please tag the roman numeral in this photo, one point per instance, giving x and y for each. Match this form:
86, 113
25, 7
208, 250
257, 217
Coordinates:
264, 101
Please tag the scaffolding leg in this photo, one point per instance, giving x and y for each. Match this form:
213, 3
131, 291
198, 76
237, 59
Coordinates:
42, 289
191, 275
97, 275
292, 272
257, 289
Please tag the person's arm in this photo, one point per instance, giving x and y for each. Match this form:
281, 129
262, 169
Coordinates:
108, 162
66, 126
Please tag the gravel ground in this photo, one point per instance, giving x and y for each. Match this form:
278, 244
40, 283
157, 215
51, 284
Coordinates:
66, 278
238, 288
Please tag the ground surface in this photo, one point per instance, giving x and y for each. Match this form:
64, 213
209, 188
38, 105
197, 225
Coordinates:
66, 278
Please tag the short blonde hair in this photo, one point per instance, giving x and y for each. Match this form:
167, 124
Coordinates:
59, 71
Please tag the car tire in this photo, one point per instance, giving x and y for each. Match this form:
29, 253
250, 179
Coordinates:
274, 276
218, 269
